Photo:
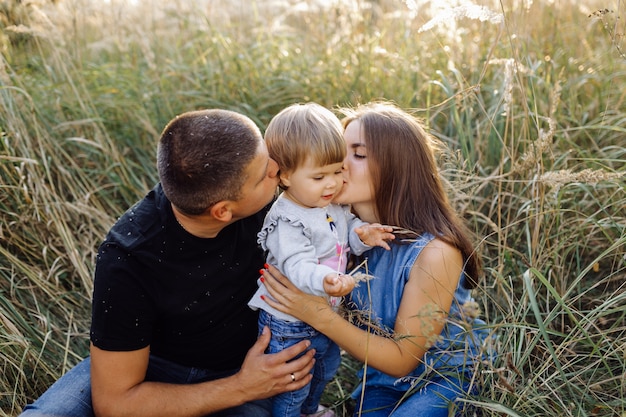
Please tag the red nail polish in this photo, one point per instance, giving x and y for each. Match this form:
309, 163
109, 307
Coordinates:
261, 271
263, 297
266, 266
262, 280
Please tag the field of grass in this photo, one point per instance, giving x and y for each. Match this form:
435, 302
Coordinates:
529, 96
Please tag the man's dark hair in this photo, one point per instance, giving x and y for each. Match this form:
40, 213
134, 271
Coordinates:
202, 157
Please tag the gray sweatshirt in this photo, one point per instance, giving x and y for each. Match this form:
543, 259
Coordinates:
305, 248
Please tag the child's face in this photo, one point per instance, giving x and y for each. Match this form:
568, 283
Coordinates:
311, 185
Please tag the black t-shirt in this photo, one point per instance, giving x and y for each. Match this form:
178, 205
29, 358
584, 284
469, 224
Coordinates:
186, 297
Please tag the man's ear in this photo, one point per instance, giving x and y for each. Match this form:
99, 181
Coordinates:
222, 211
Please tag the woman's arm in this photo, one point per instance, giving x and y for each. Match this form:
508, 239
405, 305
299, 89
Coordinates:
425, 303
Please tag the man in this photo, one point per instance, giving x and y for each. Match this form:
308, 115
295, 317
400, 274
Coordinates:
171, 331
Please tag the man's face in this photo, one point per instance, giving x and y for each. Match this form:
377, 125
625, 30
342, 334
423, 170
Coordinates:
260, 185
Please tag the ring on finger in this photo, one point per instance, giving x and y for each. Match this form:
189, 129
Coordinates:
293, 377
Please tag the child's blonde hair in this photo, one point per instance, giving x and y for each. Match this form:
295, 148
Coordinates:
306, 130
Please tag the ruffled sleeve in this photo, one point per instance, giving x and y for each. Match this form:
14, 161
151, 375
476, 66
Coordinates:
288, 236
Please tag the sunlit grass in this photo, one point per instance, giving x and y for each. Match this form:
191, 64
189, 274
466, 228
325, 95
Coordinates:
528, 95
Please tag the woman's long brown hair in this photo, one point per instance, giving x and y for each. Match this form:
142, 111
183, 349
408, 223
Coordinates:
408, 190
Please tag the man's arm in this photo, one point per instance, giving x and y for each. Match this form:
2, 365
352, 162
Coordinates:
119, 389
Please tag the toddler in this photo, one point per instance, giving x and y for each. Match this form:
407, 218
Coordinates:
308, 239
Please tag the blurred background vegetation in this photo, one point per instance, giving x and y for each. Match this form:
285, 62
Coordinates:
529, 96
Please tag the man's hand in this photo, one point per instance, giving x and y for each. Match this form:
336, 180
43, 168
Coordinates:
265, 375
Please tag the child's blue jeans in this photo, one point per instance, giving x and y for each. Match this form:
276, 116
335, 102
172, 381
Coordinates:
70, 396
327, 360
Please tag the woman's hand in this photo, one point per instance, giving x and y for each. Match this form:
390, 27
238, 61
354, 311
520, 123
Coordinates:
287, 298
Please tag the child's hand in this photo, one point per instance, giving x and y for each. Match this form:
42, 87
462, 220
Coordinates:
338, 285
375, 234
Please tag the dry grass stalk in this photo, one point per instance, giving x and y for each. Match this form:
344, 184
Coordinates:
557, 179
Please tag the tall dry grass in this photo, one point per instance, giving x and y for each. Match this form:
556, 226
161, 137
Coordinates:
527, 94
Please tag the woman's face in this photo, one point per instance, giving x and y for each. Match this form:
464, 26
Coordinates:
357, 188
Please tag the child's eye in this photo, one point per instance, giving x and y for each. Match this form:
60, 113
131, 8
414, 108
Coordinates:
356, 155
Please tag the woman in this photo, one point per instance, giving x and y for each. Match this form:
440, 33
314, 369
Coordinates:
412, 329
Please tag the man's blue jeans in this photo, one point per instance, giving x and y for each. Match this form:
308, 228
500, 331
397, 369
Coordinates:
327, 361
70, 396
